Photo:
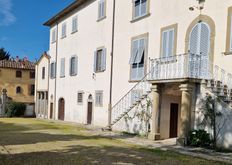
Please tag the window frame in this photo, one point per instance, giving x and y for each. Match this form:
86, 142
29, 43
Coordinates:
53, 70
75, 71
64, 30
82, 98
75, 18
43, 72
103, 16
134, 17
102, 63
18, 74
18, 90
54, 35
32, 74
62, 72
101, 101
228, 49
133, 39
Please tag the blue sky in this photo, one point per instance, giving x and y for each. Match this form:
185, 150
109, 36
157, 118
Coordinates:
21, 25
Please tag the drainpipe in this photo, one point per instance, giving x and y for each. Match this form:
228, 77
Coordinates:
111, 69
56, 70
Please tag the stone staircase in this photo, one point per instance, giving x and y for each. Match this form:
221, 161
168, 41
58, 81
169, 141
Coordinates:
131, 99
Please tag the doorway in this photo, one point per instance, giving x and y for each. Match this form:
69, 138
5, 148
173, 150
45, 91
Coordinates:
173, 120
90, 109
51, 110
61, 109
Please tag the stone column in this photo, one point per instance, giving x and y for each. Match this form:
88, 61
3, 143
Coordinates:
4, 101
185, 124
154, 134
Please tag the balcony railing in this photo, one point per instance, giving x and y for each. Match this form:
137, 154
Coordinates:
180, 66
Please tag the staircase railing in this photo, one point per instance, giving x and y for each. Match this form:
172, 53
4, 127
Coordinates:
131, 99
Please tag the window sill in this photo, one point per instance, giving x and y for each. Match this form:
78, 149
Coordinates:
62, 76
99, 71
227, 53
53, 42
134, 81
139, 18
74, 31
63, 37
100, 19
72, 75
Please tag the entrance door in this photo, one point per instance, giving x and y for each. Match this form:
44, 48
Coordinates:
61, 109
51, 110
199, 44
90, 112
173, 120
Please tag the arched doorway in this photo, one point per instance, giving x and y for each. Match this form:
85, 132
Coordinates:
90, 109
61, 109
199, 44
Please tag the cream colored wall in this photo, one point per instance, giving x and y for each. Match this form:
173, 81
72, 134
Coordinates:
92, 34
10, 83
43, 83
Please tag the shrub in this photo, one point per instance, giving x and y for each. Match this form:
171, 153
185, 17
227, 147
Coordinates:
14, 109
199, 138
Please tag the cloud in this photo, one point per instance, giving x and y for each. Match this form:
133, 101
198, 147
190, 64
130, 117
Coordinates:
6, 15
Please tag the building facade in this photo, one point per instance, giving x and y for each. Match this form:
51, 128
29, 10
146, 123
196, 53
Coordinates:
18, 78
169, 56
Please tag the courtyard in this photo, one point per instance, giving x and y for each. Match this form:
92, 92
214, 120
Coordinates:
33, 141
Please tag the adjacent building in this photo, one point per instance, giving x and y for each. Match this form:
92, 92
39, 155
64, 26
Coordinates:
112, 60
18, 78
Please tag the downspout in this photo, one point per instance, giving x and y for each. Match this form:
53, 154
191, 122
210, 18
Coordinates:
111, 70
48, 117
56, 71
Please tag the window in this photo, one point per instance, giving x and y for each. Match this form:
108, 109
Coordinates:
54, 35
228, 50
31, 90
18, 90
32, 74
99, 98
137, 59
43, 73
167, 43
140, 8
64, 29
101, 9
62, 67
53, 70
73, 65
74, 24
80, 97
100, 60
18, 74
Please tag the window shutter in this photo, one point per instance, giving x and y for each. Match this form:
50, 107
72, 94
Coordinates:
95, 61
99, 9
231, 32
143, 7
74, 24
134, 52
76, 65
204, 45
54, 69
193, 45
140, 51
164, 43
51, 70
170, 42
103, 62
62, 67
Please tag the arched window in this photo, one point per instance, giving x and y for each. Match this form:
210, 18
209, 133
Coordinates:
18, 90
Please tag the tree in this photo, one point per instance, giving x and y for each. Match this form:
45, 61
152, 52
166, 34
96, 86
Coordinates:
212, 117
4, 55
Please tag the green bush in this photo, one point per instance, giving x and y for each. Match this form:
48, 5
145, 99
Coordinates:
199, 138
14, 109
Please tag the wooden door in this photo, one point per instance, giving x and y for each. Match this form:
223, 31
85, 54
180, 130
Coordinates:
173, 120
61, 109
51, 110
89, 114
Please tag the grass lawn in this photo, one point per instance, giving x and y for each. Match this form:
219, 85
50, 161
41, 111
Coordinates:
38, 142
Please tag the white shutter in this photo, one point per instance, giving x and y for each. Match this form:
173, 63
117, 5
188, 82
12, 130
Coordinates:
134, 53
76, 66
63, 30
54, 75
74, 24
193, 42
62, 67
164, 43
103, 62
141, 50
170, 42
143, 7
95, 61
231, 32
205, 38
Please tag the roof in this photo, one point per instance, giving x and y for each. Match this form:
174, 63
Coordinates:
41, 57
65, 11
27, 65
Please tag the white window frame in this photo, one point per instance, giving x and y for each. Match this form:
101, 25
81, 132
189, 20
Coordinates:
62, 67
64, 30
53, 70
75, 21
99, 98
140, 9
168, 32
100, 65
54, 35
80, 100
101, 9
73, 70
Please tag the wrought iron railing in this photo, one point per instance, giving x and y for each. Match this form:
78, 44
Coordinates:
130, 99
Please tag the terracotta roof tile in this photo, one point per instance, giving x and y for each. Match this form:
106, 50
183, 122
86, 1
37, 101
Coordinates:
17, 65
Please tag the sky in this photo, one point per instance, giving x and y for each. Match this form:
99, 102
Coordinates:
21, 25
